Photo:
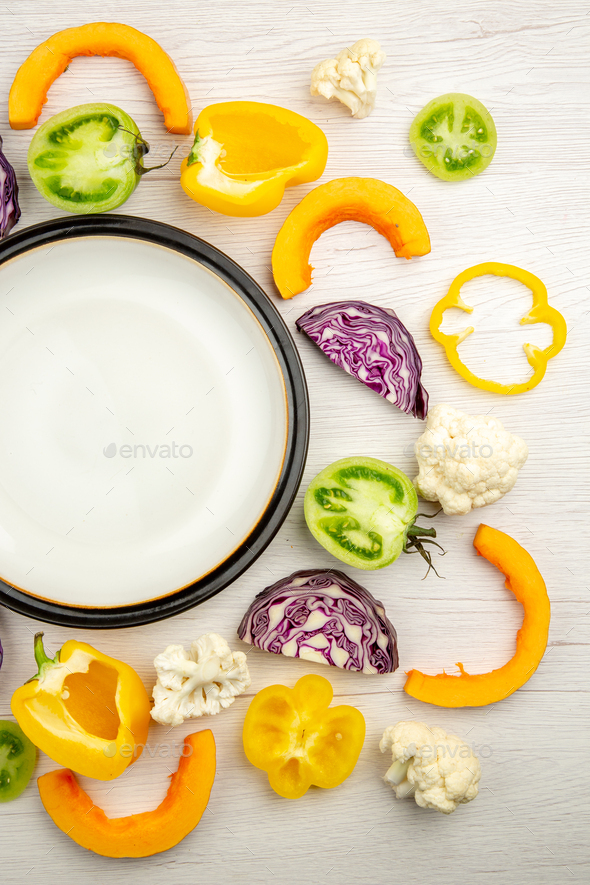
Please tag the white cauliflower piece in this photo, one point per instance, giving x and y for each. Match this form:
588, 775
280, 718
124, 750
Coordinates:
466, 461
201, 682
351, 77
437, 768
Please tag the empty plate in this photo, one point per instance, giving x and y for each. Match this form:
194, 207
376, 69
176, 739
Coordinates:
154, 421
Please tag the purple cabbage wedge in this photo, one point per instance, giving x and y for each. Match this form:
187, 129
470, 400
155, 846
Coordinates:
372, 345
9, 208
324, 617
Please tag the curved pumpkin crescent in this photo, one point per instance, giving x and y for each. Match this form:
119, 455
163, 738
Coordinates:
29, 90
139, 835
367, 200
524, 580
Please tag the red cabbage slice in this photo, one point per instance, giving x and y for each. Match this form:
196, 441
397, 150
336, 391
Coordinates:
372, 345
324, 617
9, 208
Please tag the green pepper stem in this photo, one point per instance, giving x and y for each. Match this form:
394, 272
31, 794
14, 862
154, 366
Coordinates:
40, 655
43, 662
193, 155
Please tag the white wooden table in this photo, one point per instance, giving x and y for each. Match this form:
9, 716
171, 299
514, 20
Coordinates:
528, 63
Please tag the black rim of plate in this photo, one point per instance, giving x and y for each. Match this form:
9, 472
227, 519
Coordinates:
297, 412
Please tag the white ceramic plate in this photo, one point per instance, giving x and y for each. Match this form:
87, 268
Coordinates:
145, 419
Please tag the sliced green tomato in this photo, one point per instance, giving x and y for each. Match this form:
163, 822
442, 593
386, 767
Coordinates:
360, 510
17, 760
84, 160
454, 136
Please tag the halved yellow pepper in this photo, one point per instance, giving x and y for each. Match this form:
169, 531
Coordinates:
246, 153
298, 739
540, 312
87, 711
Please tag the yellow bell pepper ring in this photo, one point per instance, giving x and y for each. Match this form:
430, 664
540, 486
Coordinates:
87, 711
298, 739
246, 153
541, 312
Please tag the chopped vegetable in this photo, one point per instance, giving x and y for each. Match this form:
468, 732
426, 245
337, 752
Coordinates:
82, 707
139, 835
201, 682
324, 617
298, 739
18, 756
466, 461
88, 159
454, 136
362, 511
50, 59
367, 200
372, 345
540, 312
524, 580
9, 208
351, 77
246, 153
438, 769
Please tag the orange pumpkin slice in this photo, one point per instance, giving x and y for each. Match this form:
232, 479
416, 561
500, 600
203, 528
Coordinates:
139, 835
524, 580
367, 200
50, 59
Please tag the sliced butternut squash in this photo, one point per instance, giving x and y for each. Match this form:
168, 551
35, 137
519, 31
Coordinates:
524, 580
139, 835
50, 59
367, 200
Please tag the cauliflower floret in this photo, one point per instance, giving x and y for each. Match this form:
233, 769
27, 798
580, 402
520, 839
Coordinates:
466, 461
437, 768
351, 77
202, 682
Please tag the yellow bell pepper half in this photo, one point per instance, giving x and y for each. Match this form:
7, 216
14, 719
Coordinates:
246, 153
87, 711
541, 312
299, 740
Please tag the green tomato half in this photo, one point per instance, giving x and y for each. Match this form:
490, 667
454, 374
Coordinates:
454, 136
360, 510
87, 159
17, 760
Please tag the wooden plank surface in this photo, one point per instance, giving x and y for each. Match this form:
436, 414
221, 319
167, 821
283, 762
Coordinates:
528, 63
